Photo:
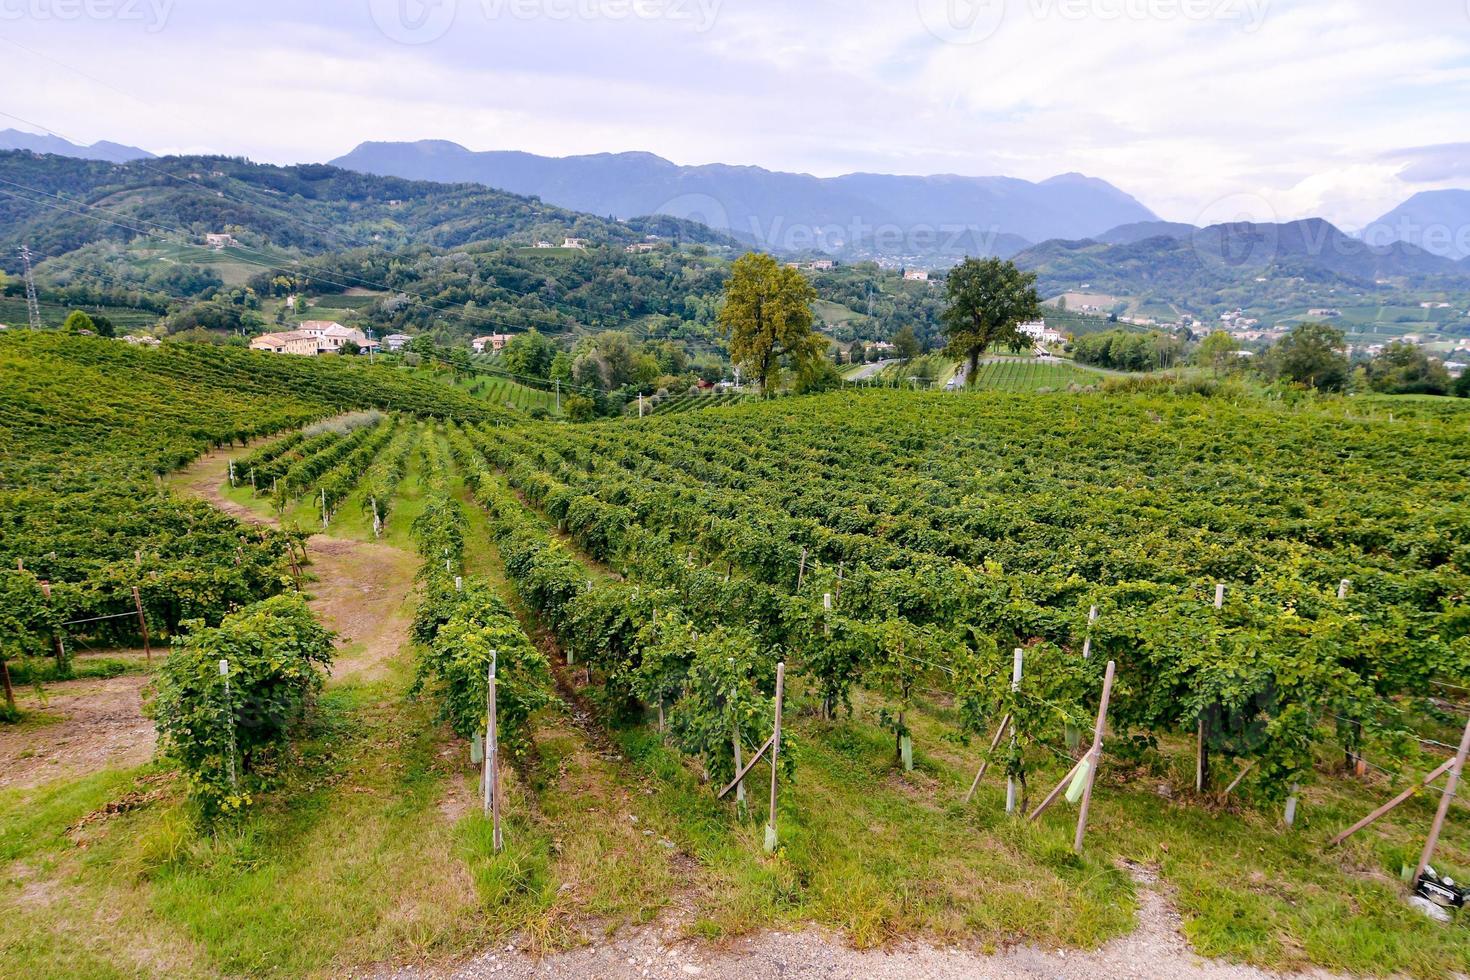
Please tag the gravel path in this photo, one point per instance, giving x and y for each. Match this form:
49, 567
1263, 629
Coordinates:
1155, 950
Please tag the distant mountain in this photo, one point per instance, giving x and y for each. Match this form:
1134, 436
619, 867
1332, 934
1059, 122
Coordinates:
855, 215
1234, 262
14, 139
1141, 230
1436, 221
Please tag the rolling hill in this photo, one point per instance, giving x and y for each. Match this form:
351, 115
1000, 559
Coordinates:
1180, 267
58, 204
857, 214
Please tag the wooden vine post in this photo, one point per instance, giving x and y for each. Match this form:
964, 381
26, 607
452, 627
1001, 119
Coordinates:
58, 648
1094, 757
1456, 769
492, 756
739, 765
801, 571
771, 839
142, 624
1015, 734
1202, 751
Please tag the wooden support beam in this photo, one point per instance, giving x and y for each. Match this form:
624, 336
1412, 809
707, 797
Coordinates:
1392, 804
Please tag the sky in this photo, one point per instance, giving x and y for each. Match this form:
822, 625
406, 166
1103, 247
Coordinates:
1205, 110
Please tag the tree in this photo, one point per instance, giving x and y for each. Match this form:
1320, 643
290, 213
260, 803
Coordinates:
767, 317
1461, 388
988, 300
907, 344
581, 409
857, 352
103, 326
1219, 351
78, 322
349, 348
1407, 369
529, 354
1312, 354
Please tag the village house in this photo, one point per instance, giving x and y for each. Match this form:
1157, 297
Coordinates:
331, 336
638, 248
494, 342
1040, 333
916, 275
577, 243
220, 242
396, 341
291, 342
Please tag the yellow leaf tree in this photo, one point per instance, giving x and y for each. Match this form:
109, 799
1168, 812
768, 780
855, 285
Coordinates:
767, 317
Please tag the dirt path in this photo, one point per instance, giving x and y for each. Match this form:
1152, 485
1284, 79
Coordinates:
1156, 949
77, 727
361, 589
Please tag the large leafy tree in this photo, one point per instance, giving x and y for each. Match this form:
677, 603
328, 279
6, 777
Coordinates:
1312, 354
767, 317
988, 300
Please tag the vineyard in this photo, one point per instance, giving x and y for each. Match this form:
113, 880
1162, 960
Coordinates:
814, 660
1031, 374
89, 427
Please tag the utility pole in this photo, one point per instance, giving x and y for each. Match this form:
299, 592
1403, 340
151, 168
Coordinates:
33, 306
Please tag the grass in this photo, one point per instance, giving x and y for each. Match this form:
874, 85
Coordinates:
1030, 375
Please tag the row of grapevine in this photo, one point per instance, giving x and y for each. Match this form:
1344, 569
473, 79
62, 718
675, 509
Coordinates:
381, 481
1283, 658
710, 684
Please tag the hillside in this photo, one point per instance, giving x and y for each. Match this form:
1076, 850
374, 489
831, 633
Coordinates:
58, 204
1241, 265
783, 210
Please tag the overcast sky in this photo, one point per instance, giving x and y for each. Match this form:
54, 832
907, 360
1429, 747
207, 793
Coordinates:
1203, 109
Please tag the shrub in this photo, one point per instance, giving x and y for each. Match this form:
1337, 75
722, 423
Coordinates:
276, 652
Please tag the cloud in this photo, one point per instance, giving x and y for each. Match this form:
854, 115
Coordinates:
1292, 102
1433, 164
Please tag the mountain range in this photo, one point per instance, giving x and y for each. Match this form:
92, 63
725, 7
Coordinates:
856, 215
14, 139
1198, 268
1436, 221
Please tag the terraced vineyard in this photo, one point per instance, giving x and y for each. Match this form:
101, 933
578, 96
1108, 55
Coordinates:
1031, 374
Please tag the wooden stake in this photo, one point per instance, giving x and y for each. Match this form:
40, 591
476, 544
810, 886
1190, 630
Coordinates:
1444, 807
1015, 734
984, 765
1241, 775
1392, 804
1201, 760
739, 782
776, 756
838, 596
801, 572
58, 650
142, 624
9, 690
749, 765
492, 760
1052, 796
1095, 755
1087, 643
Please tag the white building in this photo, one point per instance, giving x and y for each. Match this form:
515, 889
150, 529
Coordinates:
916, 275
495, 342
396, 341
577, 243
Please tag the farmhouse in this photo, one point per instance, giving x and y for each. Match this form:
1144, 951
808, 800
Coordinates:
640, 247
916, 275
292, 342
331, 336
396, 341
220, 242
496, 341
578, 243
